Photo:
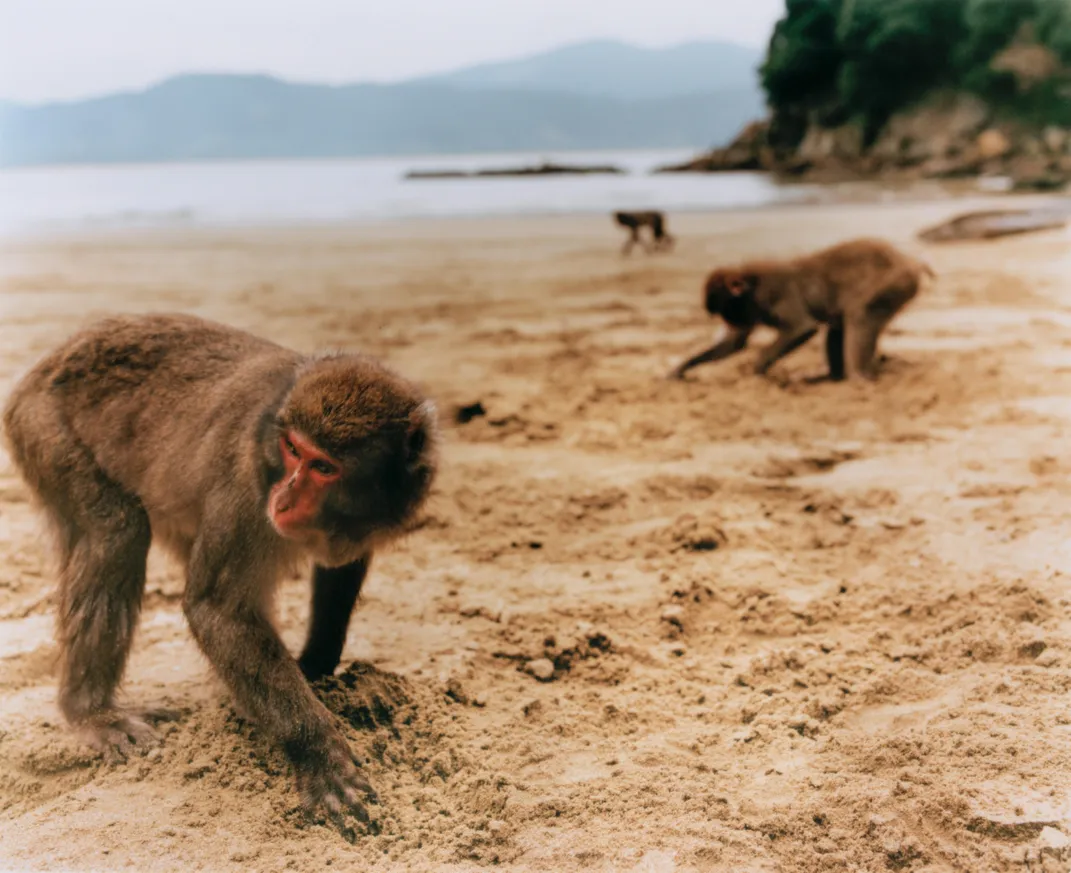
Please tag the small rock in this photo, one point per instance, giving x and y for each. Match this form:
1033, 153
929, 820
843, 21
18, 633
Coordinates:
154, 755
480, 699
1055, 139
496, 826
199, 768
541, 668
456, 691
1033, 649
674, 615
465, 414
1053, 839
803, 724
992, 143
1048, 658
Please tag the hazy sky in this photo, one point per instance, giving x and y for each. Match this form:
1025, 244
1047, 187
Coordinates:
61, 49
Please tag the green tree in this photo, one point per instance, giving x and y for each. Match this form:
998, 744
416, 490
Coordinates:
893, 52
803, 55
1054, 27
989, 26
866, 59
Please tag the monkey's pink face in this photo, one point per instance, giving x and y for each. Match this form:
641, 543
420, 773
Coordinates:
294, 503
337, 504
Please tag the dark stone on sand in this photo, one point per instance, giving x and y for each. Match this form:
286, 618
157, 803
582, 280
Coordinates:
465, 414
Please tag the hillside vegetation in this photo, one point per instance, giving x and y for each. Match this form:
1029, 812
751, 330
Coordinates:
865, 59
940, 87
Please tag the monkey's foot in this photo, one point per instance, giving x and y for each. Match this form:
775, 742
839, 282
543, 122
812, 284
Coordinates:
117, 734
334, 785
822, 377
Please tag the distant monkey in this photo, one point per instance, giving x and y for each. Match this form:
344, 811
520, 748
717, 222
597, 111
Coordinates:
654, 221
241, 457
854, 288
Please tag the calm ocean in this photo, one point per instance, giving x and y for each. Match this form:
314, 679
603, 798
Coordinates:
310, 192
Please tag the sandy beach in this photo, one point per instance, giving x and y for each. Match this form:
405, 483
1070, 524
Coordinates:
794, 627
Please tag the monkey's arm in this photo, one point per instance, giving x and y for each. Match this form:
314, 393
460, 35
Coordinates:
334, 594
223, 606
734, 341
788, 340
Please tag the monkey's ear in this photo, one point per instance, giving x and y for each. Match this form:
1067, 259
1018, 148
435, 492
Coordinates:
742, 283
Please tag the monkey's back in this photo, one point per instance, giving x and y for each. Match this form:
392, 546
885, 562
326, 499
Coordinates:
847, 263
139, 392
845, 274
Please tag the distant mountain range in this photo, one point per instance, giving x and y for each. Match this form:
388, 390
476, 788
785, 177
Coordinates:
597, 95
614, 69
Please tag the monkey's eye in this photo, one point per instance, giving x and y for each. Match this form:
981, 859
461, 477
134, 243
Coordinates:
290, 447
322, 467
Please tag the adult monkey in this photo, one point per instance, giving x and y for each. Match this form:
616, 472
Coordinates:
855, 288
242, 458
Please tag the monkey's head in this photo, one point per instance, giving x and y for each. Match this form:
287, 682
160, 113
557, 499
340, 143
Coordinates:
352, 457
730, 293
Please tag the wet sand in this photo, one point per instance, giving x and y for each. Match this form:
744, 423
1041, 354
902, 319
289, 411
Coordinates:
794, 628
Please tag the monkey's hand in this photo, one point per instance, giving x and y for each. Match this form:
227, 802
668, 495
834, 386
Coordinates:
330, 780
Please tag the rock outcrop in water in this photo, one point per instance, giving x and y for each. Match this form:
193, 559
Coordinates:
544, 169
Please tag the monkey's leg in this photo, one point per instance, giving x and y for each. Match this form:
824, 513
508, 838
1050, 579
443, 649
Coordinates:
735, 341
633, 238
104, 542
783, 345
834, 355
334, 594
222, 605
835, 350
861, 343
102, 536
658, 234
864, 328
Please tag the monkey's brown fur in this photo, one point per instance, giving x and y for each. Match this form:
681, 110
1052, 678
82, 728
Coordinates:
854, 288
654, 220
168, 428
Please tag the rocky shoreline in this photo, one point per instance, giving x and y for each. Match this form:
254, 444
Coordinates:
950, 136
